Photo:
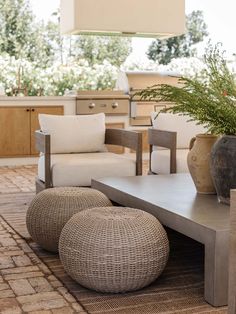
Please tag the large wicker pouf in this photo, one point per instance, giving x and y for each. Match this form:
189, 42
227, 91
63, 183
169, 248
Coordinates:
113, 249
52, 208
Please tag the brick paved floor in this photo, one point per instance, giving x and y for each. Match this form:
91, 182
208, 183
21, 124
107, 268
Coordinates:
17, 179
26, 284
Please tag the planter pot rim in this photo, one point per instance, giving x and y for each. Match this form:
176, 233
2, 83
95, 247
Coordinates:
231, 136
206, 135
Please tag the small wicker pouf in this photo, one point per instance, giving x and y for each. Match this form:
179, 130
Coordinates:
52, 208
113, 249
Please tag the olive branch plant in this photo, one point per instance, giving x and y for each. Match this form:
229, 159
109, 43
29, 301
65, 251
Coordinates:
210, 101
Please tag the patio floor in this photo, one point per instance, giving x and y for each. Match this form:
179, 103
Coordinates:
27, 283
17, 179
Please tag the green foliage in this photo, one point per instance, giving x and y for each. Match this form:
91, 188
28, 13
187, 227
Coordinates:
96, 49
211, 102
181, 46
21, 36
15, 20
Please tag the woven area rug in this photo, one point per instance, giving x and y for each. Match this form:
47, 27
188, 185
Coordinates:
179, 290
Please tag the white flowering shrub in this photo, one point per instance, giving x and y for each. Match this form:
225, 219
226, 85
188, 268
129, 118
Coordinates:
139, 64
183, 66
189, 67
57, 79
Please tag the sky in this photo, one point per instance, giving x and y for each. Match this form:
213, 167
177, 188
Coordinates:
219, 16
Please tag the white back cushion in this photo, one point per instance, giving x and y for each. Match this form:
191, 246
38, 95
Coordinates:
74, 134
173, 122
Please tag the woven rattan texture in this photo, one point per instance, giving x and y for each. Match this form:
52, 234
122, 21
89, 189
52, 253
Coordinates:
52, 208
113, 249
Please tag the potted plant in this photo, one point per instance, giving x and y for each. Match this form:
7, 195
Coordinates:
209, 101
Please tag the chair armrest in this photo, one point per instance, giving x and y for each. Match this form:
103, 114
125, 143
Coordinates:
129, 139
166, 139
42, 142
43, 145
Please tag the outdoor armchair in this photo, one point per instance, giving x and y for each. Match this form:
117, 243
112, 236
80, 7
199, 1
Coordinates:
77, 168
169, 140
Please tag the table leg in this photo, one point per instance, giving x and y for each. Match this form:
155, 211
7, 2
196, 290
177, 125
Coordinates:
216, 269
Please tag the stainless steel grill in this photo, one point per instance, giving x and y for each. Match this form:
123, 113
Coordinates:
131, 82
109, 102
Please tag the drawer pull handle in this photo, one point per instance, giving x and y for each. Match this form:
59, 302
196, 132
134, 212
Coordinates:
33, 110
115, 105
27, 110
92, 105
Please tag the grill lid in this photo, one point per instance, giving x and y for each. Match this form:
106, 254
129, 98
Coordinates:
101, 94
133, 81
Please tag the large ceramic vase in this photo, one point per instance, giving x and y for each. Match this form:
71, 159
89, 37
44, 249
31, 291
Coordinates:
199, 162
223, 167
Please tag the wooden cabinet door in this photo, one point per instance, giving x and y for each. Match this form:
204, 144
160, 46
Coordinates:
14, 131
114, 148
35, 111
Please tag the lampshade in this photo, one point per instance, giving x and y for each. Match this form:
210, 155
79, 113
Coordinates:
138, 18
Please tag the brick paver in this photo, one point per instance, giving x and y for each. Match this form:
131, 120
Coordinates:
26, 284
17, 179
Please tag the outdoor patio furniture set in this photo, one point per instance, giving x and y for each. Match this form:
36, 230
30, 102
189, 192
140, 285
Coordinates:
117, 249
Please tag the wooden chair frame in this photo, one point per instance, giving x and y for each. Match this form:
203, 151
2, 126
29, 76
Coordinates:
166, 139
125, 138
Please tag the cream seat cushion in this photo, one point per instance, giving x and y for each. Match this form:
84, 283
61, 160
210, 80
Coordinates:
79, 169
160, 161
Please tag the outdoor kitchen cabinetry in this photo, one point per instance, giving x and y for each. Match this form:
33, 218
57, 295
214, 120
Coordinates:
17, 127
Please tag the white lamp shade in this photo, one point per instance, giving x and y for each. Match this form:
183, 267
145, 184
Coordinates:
145, 18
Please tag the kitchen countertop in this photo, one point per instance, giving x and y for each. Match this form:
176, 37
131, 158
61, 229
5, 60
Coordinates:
36, 98
68, 102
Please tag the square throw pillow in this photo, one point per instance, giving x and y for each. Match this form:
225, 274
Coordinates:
74, 134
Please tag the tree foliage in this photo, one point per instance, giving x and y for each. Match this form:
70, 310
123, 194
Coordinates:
210, 102
97, 49
44, 60
15, 20
181, 46
20, 35
23, 37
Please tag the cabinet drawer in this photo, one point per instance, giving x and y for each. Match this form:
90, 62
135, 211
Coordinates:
107, 106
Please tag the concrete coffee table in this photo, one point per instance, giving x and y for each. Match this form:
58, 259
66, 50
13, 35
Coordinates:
174, 201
